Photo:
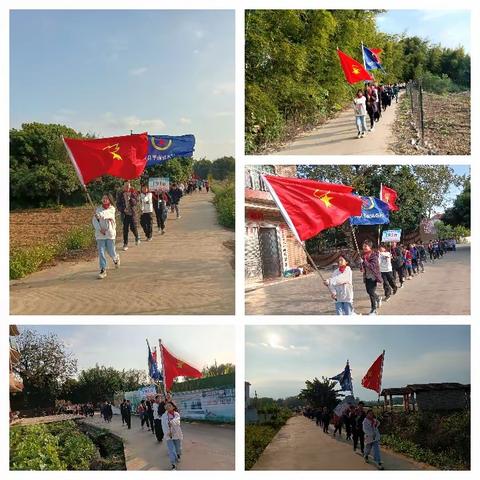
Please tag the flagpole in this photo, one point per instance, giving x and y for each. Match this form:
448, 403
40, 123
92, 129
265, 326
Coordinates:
363, 57
163, 367
381, 374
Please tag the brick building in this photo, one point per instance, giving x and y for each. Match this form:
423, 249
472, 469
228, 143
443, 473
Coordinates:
270, 247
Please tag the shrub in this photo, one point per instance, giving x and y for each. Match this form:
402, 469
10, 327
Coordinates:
257, 437
439, 84
34, 448
55, 446
225, 204
79, 238
24, 261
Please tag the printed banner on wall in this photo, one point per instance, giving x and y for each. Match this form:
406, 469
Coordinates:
391, 235
215, 404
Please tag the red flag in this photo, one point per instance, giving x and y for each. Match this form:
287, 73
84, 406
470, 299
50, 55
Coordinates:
389, 196
174, 367
309, 207
377, 52
123, 157
353, 70
373, 378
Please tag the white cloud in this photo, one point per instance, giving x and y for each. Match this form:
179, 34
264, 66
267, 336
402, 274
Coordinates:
225, 88
131, 122
137, 71
185, 120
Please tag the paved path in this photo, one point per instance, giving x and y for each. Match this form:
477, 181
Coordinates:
301, 445
186, 271
338, 136
444, 289
205, 447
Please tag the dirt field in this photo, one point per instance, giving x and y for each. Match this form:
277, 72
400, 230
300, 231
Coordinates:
447, 126
40, 226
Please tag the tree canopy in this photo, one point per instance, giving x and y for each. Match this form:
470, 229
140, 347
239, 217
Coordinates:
45, 365
292, 73
421, 191
320, 393
459, 213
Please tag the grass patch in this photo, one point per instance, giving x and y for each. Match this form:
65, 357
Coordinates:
257, 437
224, 202
26, 260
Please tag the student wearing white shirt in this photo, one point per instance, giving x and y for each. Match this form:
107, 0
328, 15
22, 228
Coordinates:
173, 433
341, 287
360, 108
146, 206
385, 262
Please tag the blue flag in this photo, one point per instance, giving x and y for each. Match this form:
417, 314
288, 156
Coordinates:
344, 379
371, 60
164, 147
374, 212
152, 366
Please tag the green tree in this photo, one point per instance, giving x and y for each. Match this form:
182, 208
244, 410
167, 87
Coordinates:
202, 168
320, 393
40, 170
218, 369
177, 169
45, 365
459, 214
223, 168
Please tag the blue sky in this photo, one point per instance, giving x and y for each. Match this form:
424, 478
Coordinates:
280, 358
107, 72
450, 28
121, 346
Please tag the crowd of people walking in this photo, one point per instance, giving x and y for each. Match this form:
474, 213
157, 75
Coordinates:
160, 415
372, 101
360, 425
133, 205
389, 266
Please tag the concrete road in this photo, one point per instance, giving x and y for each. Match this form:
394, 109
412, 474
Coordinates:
301, 445
338, 136
205, 447
444, 289
186, 271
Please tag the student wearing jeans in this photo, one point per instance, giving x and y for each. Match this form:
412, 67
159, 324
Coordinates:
372, 438
146, 207
360, 109
103, 222
173, 433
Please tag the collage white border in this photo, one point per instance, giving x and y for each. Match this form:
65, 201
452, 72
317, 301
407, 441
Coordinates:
240, 319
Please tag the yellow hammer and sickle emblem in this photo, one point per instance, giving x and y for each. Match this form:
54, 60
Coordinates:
387, 197
179, 364
355, 70
113, 149
323, 197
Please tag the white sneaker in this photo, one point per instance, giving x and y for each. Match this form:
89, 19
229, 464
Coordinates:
373, 312
125, 248
102, 274
137, 242
149, 239
359, 135
159, 230
117, 262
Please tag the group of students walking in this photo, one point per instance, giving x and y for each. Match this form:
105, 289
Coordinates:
130, 203
371, 101
361, 428
162, 419
389, 266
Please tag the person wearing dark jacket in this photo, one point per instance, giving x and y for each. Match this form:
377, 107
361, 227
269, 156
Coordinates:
398, 264
149, 415
357, 423
127, 206
158, 411
128, 414
122, 410
371, 275
161, 202
326, 419
175, 196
